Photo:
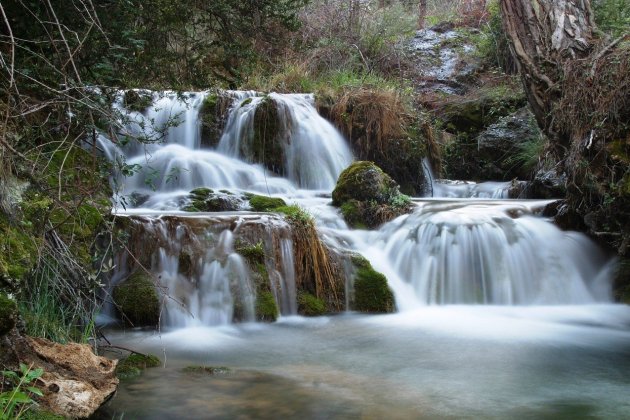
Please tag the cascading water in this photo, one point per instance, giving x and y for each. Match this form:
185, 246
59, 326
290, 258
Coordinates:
449, 251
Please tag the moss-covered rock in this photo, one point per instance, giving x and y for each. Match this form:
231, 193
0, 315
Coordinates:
263, 203
213, 116
207, 370
266, 307
134, 365
309, 305
206, 200
138, 300
267, 144
368, 196
371, 292
8, 314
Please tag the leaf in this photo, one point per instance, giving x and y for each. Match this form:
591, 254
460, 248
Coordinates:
35, 390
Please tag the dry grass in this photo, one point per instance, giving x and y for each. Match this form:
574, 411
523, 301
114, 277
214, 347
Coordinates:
370, 117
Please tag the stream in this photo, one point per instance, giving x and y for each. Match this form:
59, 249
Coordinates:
500, 314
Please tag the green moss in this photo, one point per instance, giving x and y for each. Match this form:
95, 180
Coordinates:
266, 307
353, 214
262, 203
8, 314
371, 292
210, 103
18, 252
246, 102
36, 414
138, 300
207, 370
309, 305
201, 193
134, 365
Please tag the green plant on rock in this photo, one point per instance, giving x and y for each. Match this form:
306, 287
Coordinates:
207, 370
266, 307
8, 314
16, 401
309, 305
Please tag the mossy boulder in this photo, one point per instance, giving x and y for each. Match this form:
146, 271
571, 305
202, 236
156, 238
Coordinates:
206, 200
264, 203
309, 305
212, 115
8, 314
134, 364
368, 196
371, 292
138, 300
266, 307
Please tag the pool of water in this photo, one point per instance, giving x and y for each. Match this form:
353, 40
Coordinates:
435, 362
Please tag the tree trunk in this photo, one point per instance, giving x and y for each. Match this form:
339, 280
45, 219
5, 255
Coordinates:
544, 36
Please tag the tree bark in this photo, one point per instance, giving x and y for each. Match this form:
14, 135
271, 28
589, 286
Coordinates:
544, 35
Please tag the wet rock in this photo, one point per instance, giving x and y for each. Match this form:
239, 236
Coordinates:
137, 100
135, 363
207, 200
548, 184
213, 116
309, 305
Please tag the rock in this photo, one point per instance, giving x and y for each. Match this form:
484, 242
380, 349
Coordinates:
137, 300
207, 370
8, 315
213, 116
371, 292
75, 381
548, 184
207, 200
368, 196
505, 150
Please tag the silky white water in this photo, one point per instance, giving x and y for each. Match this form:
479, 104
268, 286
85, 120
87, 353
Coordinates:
500, 314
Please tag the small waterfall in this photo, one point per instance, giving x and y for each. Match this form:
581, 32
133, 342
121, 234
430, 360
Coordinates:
477, 253
315, 152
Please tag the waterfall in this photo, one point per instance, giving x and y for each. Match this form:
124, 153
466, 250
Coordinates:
315, 152
467, 245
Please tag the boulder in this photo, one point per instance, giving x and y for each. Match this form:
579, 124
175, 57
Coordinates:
368, 196
371, 292
74, 383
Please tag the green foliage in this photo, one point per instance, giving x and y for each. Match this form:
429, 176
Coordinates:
492, 43
17, 400
266, 307
371, 292
612, 16
309, 305
134, 365
138, 300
